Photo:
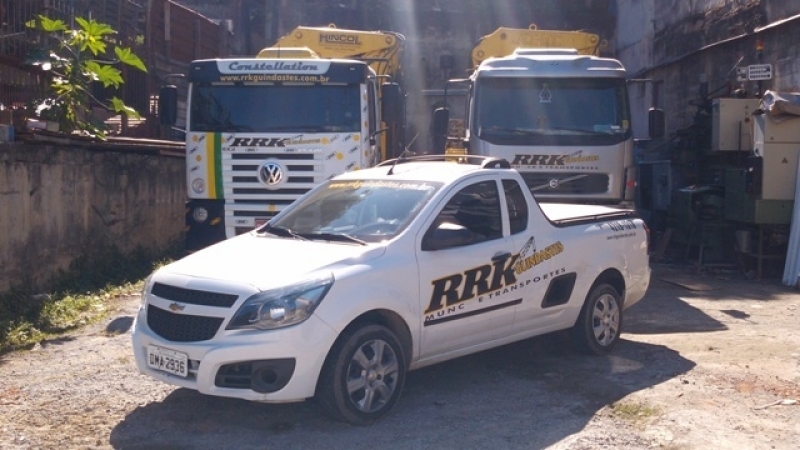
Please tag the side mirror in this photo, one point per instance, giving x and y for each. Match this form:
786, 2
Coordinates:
446, 235
440, 129
391, 103
656, 123
168, 105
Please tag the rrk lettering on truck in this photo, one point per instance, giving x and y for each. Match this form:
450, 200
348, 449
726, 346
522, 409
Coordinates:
259, 142
447, 288
461, 287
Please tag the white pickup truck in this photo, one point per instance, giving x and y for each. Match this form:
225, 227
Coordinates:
384, 270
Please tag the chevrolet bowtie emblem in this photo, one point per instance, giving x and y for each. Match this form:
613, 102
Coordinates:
176, 307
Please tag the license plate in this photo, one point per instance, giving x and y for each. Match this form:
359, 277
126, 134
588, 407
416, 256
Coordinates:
169, 361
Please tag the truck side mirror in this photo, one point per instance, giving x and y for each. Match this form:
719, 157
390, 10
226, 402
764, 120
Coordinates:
656, 123
439, 130
168, 105
391, 103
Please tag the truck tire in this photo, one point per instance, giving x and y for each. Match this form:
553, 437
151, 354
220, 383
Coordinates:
363, 375
599, 325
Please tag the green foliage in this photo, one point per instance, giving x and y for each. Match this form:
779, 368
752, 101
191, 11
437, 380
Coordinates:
81, 295
77, 58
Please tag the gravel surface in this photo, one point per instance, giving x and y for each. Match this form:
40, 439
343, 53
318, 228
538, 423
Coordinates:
706, 362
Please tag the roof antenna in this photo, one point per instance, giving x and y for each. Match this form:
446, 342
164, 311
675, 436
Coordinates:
402, 156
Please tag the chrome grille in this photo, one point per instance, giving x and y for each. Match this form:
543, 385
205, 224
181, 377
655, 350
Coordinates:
569, 183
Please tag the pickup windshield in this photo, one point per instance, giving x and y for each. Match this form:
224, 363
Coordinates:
355, 210
542, 110
269, 108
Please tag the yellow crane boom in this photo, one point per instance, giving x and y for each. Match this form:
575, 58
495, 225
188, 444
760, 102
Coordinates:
504, 40
381, 49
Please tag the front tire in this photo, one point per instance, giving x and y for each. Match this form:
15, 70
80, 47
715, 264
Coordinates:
600, 322
363, 375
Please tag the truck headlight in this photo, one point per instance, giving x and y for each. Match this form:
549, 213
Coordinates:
200, 214
281, 307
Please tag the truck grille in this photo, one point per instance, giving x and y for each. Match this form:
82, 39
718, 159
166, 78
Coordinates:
302, 172
248, 201
181, 327
568, 183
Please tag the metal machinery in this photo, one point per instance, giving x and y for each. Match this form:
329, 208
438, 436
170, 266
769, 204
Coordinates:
503, 42
760, 197
544, 101
262, 131
742, 201
762, 192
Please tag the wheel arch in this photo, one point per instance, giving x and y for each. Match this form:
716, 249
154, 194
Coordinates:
612, 277
389, 319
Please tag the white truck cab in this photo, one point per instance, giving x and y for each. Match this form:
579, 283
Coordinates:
385, 270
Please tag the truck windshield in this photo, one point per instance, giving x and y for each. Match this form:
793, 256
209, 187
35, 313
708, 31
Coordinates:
543, 110
366, 210
265, 108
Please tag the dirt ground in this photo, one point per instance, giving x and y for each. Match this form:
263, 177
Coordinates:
707, 362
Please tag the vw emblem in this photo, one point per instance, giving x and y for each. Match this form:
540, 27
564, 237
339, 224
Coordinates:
270, 173
553, 183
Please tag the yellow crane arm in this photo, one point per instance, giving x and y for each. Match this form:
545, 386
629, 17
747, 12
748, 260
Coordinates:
381, 49
503, 42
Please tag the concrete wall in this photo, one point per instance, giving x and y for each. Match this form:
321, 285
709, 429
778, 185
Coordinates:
677, 44
61, 202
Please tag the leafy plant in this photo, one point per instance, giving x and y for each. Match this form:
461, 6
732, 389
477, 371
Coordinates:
83, 294
75, 58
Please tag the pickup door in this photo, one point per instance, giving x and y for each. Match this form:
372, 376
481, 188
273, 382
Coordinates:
470, 293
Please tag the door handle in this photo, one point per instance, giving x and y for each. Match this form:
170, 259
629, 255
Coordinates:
501, 256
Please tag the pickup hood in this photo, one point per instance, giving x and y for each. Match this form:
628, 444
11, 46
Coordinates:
266, 262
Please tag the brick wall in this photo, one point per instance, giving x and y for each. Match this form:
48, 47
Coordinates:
676, 45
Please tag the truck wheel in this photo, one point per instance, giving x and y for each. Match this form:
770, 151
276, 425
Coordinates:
600, 322
363, 375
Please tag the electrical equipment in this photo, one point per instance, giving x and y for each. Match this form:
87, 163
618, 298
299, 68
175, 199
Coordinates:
732, 124
777, 144
742, 202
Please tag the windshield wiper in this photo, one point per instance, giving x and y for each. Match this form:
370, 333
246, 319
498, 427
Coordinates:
540, 131
231, 127
282, 232
580, 130
522, 131
338, 237
311, 128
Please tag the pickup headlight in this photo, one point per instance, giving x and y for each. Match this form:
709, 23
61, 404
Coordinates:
282, 307
145, 287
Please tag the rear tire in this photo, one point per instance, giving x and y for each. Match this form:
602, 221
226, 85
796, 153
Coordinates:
599, 325
363, 375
